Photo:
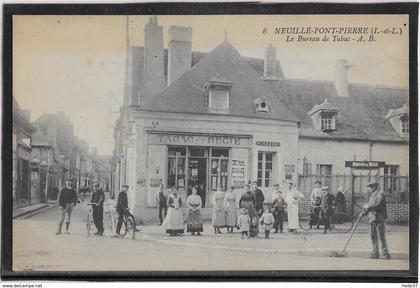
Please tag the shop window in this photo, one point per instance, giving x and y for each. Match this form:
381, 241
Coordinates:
219, 168
404, 125
265, 169
176, 167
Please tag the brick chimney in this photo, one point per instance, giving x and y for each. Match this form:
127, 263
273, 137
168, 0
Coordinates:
179, 54
270, 62
154, 78
341, 82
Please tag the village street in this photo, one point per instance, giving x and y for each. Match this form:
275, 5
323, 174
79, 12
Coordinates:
37, 248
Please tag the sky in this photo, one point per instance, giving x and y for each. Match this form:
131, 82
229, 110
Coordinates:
75, 64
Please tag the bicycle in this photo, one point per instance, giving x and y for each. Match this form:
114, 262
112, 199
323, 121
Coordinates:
89, 220
128, 227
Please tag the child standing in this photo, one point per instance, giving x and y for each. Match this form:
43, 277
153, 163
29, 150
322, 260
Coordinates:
244, 223
267, 221
278, 211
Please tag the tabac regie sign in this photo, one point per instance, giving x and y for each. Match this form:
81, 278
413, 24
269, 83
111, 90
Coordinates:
198, 139
365, 164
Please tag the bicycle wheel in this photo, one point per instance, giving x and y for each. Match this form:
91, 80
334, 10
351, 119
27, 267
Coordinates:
89, 221
130, 227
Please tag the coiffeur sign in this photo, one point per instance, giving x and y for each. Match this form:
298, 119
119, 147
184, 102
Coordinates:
199, 140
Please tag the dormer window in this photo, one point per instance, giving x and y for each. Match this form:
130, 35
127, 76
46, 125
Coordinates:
261, 105
218, 91
327, 121
398, 118
404, 125
324, 116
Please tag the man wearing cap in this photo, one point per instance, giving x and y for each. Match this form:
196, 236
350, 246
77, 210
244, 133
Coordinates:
67, 199
98, 198
315, 205
377, 214
327, 208
122, 208
259, 199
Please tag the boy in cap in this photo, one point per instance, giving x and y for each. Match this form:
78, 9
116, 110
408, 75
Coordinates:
278, 210
377, 214
67, 199
98, 198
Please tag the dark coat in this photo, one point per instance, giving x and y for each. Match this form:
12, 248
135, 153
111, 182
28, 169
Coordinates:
67, 195
377, 207
259, 198
122, 202
278, 205
98, 197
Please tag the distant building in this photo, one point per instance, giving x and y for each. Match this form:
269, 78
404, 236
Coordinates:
21, 146
225, 119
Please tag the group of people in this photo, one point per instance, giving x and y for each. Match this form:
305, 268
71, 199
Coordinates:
251, 213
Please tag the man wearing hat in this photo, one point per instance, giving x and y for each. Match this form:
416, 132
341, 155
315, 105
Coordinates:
67, 199
259, 199
376, 212
327, 208
122, 208
98, 198
316, 196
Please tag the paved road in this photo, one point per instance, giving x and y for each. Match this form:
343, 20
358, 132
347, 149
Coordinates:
36, 247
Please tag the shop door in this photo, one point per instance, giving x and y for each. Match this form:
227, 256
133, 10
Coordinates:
219, 163
197, 172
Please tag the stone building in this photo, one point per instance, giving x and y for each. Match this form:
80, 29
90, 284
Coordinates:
224, 119
21, 147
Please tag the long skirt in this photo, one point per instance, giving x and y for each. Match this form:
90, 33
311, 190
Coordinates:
219, 218
174, 222
293, 216
194, 223
231, 216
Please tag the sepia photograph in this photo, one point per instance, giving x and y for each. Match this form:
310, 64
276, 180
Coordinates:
176, 142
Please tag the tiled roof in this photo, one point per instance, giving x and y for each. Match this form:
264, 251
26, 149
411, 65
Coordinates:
187, 94
362, 115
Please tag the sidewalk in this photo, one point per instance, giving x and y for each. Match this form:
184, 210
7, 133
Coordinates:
311, 243
31, 209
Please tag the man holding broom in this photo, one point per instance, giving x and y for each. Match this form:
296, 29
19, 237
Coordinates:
376, 212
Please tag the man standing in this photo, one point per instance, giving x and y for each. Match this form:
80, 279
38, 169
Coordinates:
327, 208
122, 208
278, 210
259, 199
67, 199
315, 205
98, 198
161, 199
376, 212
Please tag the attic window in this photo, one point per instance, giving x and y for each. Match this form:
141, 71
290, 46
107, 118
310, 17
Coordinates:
218, 91
404, 125
327, 121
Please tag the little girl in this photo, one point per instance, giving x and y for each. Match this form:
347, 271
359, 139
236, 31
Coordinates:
267, 221
244, 222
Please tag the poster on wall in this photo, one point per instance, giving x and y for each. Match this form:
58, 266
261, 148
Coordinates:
289, 170
238, 173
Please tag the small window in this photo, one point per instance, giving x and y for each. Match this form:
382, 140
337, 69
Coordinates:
404, 125
307, 168
327, 122
218, 98
265, 169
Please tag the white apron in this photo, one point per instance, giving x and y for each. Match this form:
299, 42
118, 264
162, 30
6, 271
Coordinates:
292, 199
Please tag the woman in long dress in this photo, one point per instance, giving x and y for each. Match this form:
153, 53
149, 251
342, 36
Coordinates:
247, 201
292, 198
194, 205
174, 222
230, 209
219, 217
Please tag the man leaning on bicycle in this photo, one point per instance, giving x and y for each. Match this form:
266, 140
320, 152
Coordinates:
122, 209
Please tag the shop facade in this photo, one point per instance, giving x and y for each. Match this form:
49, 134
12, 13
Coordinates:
224, 151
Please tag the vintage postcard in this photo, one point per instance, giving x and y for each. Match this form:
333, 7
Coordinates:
188, 143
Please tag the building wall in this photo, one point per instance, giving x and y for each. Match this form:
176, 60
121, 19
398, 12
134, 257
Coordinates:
336, 152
